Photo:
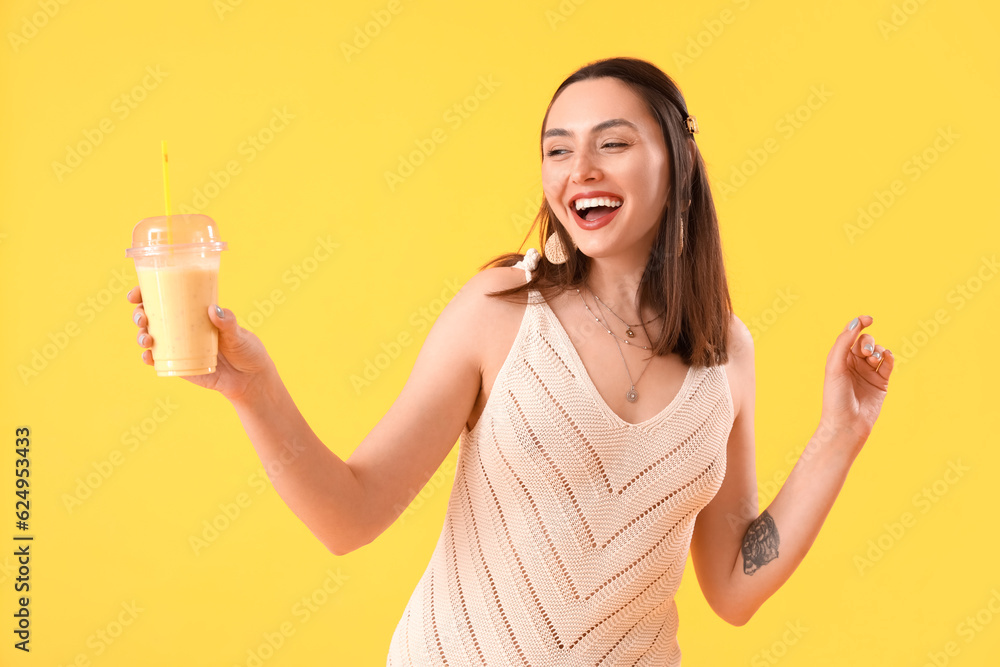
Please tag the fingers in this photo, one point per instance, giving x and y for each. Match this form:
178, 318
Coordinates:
220, 316
147, 354
836, 361
139, 316
235, 342
885, 363
146, 341
872, 355
223, 319
875, 355
864, 346
142, 337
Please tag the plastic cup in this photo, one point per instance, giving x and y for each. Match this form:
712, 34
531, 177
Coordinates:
179, 281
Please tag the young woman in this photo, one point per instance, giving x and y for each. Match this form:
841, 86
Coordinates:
603, 398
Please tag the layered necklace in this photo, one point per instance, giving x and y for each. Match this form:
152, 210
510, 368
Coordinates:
631, 395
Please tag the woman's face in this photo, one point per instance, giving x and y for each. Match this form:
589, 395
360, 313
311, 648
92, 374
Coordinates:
600, 137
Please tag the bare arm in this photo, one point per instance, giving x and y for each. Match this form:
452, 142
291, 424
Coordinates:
347, 504
316, 484
742, 557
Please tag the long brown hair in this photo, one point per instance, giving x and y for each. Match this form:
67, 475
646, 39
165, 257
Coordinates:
691, 289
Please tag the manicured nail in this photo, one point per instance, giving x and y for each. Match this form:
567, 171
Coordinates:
868, 348
142, 340
219, 313
135, 318
853, 324
877, 355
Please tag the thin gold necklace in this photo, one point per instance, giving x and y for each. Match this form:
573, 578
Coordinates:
628, 327
631, 395
624, 340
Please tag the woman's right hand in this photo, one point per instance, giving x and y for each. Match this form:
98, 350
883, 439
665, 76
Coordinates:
242, 358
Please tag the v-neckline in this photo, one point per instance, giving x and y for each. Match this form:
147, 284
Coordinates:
582, 371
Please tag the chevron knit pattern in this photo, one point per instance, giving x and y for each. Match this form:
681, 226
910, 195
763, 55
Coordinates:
567, 529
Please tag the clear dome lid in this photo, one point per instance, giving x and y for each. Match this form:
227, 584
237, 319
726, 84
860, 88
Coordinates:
183, 232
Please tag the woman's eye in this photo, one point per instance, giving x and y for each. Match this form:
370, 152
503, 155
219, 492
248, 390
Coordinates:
611, 144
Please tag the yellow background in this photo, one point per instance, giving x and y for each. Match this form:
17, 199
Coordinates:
896, 74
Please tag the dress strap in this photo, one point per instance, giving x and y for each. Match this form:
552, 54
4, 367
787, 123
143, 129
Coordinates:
529, 263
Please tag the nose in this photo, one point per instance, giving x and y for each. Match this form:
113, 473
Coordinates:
585, 167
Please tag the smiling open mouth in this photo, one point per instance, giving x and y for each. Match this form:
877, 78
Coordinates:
594, 209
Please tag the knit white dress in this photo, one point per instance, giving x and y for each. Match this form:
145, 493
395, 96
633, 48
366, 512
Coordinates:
567, 529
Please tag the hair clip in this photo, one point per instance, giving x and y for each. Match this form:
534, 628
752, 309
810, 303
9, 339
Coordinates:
692, 124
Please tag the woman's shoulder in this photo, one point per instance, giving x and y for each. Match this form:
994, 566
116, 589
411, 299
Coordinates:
740, 364
490, 323
495, 279
473, 324
740, 340
473, 304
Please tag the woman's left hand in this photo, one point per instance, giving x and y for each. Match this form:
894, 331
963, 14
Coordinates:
857, 379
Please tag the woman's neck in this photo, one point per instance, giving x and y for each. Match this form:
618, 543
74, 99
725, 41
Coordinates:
615, 281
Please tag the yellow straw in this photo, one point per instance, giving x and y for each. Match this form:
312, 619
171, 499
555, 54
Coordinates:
166, 191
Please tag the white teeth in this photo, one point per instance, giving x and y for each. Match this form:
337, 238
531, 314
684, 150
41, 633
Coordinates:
597, 201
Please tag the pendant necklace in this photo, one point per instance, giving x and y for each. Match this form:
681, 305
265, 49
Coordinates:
631, 395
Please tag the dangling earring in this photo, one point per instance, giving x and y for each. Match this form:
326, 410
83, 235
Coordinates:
680, 245
555, 251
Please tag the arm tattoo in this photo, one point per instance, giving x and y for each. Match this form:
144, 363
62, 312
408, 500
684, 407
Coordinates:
760, 544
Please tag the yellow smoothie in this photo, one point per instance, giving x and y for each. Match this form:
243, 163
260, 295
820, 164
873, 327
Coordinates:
176, 301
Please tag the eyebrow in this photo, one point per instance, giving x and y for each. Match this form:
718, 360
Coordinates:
614, 122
